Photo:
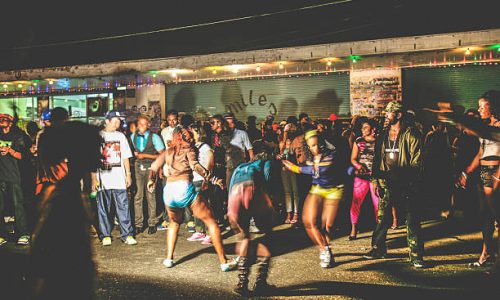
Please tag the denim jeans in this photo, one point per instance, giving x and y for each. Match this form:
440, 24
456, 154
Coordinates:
289, 180
12, 191
106, 221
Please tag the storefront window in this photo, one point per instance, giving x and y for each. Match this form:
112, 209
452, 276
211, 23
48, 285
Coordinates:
75, 104
25, 108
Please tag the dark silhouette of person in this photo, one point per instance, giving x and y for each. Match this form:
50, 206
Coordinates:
61, 264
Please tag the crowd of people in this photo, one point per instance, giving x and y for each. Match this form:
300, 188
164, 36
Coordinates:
227, 174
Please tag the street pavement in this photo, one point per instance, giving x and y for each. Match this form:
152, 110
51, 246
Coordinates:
136, 272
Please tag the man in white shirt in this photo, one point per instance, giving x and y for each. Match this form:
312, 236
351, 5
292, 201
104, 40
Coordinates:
112, 180
167, 132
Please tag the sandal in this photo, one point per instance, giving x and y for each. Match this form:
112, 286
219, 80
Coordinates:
287, 221
481, 264
295, 218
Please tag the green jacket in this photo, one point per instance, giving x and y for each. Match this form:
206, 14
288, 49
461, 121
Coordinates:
410, 156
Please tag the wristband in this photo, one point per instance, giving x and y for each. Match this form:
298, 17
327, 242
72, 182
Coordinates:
464, 175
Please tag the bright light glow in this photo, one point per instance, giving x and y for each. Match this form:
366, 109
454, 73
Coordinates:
35, 83
257, 69
235, 68
5, 86
154, 75
329, 63
467, 52
121, 88
51, 82
174, 75
281, 66
214, 72
19, 85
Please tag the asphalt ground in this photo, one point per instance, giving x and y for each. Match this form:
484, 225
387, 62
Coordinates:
136, 272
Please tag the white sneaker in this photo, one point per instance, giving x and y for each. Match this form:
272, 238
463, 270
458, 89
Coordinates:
230, 265
130, 240
169, 263
106, 241
325, 258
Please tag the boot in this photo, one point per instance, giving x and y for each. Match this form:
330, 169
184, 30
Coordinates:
243, 272
261, 286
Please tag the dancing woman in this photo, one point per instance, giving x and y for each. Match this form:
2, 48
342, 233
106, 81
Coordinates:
322, 202
179, 193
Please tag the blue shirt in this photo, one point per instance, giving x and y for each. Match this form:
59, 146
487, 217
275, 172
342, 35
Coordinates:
142, 140
258, 171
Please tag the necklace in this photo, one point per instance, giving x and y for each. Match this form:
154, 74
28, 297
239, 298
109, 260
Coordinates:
391, 153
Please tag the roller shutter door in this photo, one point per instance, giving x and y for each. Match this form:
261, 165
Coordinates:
459, 85
318, 95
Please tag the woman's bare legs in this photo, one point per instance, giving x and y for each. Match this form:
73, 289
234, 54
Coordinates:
175, 216
203, 212
312, 211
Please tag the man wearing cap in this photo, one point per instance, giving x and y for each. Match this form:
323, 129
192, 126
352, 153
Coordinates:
396, 173
12, 150
147, 146
112, 180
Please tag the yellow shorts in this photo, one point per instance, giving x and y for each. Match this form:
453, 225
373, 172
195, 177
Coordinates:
334, 193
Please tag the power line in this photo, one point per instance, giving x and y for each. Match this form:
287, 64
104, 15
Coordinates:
115, 37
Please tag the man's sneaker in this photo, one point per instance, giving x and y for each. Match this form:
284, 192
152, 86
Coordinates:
191, 227
2, 241
375, 254
228, 266
197, 237
106, 241
169, 263
417, 263
130, 240
207, 240
162, 226
23, 240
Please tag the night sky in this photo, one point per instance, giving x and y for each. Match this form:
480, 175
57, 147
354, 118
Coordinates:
26, 26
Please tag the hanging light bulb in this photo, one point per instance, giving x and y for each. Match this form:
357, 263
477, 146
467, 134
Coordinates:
329, 63
467, 52
35, 83
257, 69
5, 86
214, 72
19, 85
174, 75
51, 82
281, 66
154, 75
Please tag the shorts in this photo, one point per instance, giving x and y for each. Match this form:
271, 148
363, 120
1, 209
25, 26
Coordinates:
487, 173
334, 193
179, 194
246, 202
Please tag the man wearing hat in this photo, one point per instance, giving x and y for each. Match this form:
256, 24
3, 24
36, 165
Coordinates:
12, 150
396, 173
112, 180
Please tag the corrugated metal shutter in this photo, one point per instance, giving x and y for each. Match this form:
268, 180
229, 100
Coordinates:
459, 85
318, 95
